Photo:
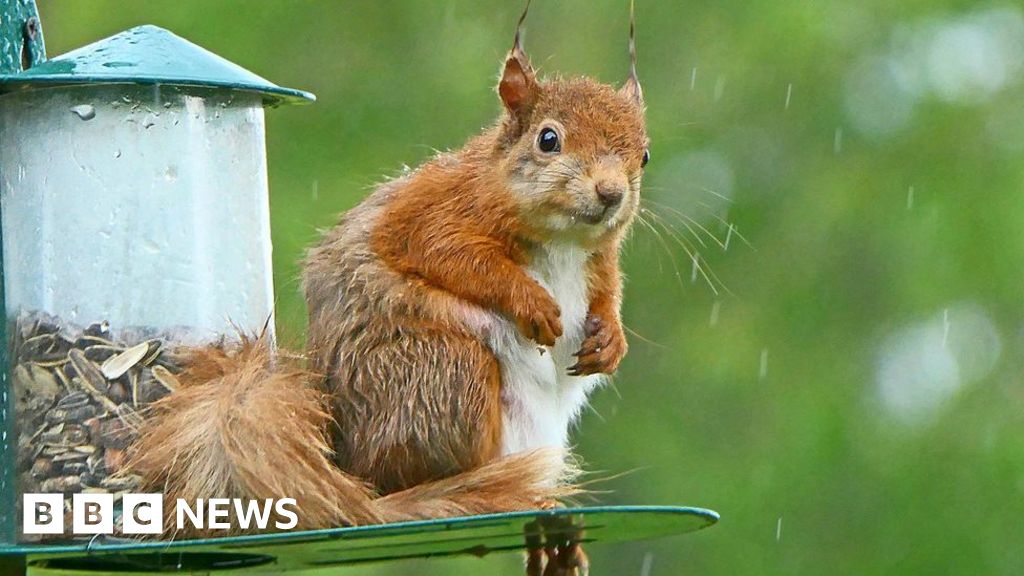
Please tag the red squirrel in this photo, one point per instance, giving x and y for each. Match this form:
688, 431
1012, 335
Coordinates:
463, 312
458, 318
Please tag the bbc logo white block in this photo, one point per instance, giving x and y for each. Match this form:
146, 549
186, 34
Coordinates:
92, 513
142, 513
43, 514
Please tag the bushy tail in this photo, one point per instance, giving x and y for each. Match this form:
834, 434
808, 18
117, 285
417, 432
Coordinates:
247, 423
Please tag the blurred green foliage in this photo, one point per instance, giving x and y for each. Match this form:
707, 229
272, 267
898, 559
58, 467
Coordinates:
854, 403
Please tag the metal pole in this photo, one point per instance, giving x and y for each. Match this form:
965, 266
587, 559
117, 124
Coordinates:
21, 47
21, 36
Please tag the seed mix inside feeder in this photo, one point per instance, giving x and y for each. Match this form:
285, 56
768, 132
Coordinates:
80, 395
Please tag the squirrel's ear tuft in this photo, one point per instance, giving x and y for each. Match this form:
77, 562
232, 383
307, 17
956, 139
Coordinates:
518, 87
631, 89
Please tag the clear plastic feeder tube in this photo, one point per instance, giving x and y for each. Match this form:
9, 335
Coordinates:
135, 221
141, 206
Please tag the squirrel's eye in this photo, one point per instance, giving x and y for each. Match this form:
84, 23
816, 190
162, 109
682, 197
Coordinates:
547, 141
646, 159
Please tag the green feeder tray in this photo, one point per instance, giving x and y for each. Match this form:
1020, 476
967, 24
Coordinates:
295, 551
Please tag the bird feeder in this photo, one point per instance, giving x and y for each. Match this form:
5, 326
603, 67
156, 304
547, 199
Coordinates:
134, 212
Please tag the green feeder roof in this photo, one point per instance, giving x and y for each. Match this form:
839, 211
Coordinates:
148, 55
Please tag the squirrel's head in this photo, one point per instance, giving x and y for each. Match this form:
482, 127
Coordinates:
575, 149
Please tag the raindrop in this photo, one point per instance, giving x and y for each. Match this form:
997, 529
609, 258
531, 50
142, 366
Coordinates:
763, 372
910, 198
316, 190
778, 529
149, 121
645, 568
84, 111
719, 87
693, 78
716, 308
696, 267
837, 140
945, 327
728, 237
789, 94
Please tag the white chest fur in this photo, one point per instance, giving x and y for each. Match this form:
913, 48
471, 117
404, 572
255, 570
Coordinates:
540, 401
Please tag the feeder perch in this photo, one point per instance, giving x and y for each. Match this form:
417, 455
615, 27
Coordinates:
135, 218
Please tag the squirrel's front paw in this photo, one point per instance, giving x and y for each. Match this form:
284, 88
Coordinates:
603, 348
538, 317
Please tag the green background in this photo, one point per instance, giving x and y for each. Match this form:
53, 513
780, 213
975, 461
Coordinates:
854, 403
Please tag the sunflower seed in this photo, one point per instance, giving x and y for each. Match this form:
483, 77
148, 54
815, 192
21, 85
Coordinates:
80, 397
116, 366
166, 378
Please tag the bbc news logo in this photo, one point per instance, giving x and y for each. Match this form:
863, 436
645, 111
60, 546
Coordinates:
144, 514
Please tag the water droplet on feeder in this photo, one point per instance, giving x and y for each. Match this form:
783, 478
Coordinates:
84, 111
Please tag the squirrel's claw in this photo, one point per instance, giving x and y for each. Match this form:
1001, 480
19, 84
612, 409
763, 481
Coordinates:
538, 318
602, 350
567, 559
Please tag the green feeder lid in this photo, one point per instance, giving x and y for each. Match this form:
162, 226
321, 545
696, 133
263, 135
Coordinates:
148, 55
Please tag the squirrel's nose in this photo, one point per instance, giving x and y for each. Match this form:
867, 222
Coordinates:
608, 193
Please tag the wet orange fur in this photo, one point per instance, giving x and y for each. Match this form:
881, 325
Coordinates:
250, 424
